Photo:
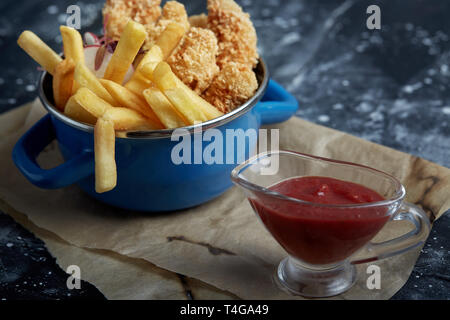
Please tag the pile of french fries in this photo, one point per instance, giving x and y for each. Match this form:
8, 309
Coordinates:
153, 99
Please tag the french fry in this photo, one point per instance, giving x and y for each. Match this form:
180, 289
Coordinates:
168, 115
154, 55
208, 109
127, 49
75, 87
132, 101
63, 82
138, 81
164, 46
166, 81
73, 44
199, 21
76, 112
85, 78
139, 85
39, 51
91, 102
126, 119
194, 108
105, 163
147, 70
170, 38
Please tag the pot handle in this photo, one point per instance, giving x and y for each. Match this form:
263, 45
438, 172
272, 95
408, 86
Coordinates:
33, 143
277, 105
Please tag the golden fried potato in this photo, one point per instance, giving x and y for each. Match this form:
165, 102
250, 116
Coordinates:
73, 44
91, 102
132, 101
168, 115
126, 51
63, 82
164, 46
39, 51
199, 21
170, 38
105, 162
85, 78
76, 112
125, 119
194, 108
169, 84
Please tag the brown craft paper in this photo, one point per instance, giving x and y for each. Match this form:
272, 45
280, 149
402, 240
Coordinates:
220, 243
117, 276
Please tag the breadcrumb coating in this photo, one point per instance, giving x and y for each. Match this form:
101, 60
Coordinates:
194, 60
117, 13
199, 21
172, 11
215, 58
233, 86
234, 31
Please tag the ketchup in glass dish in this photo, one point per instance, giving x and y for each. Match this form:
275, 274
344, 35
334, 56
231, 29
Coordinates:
322, 211
322, 231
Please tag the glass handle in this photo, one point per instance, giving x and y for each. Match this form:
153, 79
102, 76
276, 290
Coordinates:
411, 240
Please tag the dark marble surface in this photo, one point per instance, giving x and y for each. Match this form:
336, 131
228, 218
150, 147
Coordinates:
28, 271
390, 87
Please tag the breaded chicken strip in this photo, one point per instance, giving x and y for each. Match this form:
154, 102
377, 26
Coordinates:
116, 14
172, 11
235, 32
194, 60
199, 21
235, 85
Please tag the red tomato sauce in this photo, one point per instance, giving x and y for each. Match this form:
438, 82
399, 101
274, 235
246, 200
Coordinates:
321, 235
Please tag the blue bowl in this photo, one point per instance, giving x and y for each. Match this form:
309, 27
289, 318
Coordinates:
148, 179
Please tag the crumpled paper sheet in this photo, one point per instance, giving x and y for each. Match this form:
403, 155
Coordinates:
119, 277
220, 243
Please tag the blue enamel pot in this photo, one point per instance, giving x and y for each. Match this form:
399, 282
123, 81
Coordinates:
148, 177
